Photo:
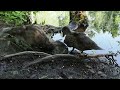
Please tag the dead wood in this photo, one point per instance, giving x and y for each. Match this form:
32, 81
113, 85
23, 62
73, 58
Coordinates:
27, 53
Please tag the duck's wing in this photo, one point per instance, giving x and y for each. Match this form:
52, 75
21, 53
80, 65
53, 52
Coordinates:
86, 42
70, 40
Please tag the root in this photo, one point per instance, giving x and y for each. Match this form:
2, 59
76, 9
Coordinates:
24, 53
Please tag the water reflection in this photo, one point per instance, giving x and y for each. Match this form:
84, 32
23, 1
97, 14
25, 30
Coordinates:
104, 29
106, 21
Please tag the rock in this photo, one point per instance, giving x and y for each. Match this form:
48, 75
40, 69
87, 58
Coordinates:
91, 70
101, 74
89, 67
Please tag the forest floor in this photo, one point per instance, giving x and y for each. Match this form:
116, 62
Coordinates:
39, 65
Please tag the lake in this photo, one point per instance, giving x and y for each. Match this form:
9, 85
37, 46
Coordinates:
104, 30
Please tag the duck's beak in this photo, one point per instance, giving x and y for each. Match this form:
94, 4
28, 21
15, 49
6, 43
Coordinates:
63, 34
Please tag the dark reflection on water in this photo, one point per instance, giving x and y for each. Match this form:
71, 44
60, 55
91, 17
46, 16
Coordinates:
107, 42
104, 30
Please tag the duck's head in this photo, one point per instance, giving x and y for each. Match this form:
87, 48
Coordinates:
66, 31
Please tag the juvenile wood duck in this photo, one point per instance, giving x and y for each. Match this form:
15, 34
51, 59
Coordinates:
59, 48
34, 36
78, 40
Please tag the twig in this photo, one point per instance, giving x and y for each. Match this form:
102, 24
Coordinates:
23, 53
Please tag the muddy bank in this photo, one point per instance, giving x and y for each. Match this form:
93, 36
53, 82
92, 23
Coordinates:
28, 65
21, 59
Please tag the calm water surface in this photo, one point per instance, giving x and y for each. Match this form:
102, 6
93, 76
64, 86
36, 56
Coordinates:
107, 39
104, 40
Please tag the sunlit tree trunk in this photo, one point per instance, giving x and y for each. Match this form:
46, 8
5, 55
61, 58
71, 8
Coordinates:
32, 17
77, 16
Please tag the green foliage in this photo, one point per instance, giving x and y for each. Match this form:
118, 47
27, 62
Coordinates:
106, 21
14, 17
63, 22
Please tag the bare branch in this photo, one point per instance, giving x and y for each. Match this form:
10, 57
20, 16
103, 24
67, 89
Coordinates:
24, 53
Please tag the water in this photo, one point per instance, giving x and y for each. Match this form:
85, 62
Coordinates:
59, 37
104, 31
107, 43
104, 40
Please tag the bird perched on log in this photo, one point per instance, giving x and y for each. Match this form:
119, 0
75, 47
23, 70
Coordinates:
78, 40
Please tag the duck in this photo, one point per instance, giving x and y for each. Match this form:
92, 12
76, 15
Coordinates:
78, 40
59, 48
34, 36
